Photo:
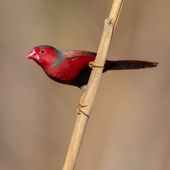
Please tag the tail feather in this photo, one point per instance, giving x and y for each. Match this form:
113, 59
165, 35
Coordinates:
128, 64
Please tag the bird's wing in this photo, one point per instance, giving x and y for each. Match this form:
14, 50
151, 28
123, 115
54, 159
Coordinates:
78, 60
78, 53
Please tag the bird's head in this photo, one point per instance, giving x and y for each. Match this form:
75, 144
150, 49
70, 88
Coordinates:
44, 55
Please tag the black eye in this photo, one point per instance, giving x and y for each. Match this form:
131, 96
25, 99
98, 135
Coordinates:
42, 51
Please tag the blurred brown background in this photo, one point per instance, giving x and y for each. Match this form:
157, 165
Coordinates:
130, 122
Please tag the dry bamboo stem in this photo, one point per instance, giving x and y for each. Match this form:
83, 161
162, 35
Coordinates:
88, 97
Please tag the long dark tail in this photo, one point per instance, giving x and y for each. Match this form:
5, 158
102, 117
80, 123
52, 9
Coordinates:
128, 64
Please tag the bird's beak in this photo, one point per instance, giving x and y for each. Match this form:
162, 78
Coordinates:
33, 55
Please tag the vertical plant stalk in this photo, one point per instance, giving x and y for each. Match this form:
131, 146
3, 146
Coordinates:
88, 97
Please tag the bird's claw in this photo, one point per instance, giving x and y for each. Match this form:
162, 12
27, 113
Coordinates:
94, 65
79, 109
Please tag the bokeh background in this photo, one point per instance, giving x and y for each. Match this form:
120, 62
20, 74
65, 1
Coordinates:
130, 122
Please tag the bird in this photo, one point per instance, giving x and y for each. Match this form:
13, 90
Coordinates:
72, 67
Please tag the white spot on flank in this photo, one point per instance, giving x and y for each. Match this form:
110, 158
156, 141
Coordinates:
83, 88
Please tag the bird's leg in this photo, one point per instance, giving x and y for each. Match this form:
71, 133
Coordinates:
94, 65
79, 110
81, 105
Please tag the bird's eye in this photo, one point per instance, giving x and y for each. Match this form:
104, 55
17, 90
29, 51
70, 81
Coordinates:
42, 51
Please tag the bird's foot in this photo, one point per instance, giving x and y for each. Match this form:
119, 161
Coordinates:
79, 109
81, 105
94, 65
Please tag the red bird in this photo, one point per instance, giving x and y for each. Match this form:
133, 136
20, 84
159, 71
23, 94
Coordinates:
72, 67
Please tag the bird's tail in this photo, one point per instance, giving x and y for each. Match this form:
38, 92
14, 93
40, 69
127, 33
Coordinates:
128, 64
